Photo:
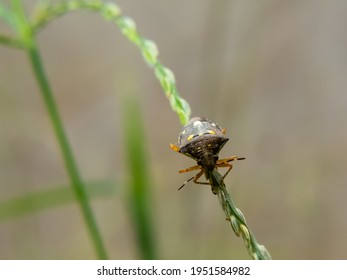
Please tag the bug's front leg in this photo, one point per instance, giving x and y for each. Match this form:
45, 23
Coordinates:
233, 158
225, 163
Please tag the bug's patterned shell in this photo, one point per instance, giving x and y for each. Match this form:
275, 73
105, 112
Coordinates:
202, 140
198, 127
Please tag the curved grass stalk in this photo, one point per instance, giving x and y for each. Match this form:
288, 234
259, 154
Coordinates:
112, 12
238, 221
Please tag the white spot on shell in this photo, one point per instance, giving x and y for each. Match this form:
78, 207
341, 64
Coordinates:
197, 123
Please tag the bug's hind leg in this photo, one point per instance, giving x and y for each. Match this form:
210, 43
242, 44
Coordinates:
195, 179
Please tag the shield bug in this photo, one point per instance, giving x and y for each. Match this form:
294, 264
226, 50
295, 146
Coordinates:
202, 140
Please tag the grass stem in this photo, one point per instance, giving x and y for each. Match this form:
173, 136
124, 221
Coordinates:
238, 221
69, 160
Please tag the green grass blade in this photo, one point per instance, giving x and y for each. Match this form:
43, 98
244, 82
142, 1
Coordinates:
139, 185
10, 42
47, 199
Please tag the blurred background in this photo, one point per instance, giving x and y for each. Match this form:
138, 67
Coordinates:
273, 73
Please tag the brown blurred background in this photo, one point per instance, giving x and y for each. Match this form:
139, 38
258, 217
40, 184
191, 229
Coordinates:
272, 72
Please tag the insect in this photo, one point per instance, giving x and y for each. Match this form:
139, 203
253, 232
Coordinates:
202, 140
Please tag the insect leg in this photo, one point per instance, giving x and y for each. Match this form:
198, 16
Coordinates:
195, 167
225, 163
197, 177
185, 183
229, 169
195, 180
229, 159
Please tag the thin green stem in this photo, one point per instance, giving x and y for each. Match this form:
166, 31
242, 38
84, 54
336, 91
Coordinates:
70, 163
10, 42
18, 20
238, 221
28, 38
